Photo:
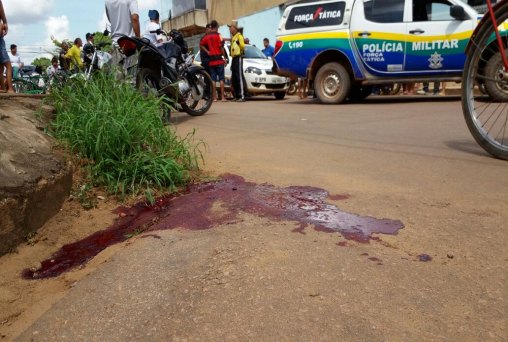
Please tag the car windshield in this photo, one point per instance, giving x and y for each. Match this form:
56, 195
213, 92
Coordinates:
253, 52
27, 69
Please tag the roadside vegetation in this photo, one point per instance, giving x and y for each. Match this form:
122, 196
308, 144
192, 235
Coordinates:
118, 135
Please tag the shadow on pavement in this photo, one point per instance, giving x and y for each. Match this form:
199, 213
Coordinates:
373, 100
467, 146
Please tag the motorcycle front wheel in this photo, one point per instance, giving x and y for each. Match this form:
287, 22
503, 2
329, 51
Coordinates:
147, 82
197, 102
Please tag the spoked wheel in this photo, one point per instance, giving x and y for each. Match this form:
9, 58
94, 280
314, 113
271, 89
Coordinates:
486, 115
293, 87
147, 82
198, 101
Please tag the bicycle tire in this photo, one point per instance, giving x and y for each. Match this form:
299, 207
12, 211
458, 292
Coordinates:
486, 115
22, 86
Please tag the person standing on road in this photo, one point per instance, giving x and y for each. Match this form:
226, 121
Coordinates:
205, 59
5, 62
269, 51
303, 90
237, 50
425, 89
16, 61
124, 18
213, 46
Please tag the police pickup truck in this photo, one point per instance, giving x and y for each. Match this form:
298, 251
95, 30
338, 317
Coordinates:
344, 47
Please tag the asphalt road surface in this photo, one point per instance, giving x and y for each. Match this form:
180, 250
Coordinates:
443, 277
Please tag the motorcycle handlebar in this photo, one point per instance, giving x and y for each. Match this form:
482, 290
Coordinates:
159, 31
172, 33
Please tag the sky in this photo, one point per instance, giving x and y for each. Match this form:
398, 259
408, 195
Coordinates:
33, 22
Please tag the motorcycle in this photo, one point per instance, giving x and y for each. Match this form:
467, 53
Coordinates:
168, 70
95, 58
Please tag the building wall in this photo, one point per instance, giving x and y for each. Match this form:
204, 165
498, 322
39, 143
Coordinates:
258, 26
226, 10
261, 25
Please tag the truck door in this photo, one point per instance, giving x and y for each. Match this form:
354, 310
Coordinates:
436, 41
378, 30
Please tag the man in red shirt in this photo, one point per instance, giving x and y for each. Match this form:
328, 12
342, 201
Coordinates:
213, 45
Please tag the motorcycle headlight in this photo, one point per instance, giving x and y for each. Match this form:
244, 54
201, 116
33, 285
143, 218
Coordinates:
253, 70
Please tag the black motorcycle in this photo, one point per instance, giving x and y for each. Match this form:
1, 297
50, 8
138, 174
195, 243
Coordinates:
169, 71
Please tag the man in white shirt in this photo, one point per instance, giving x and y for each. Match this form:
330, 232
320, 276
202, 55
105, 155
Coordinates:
16, 62
153, 25
124, 18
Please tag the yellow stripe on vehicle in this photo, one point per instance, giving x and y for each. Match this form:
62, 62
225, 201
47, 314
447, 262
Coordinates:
412, 38
316, 35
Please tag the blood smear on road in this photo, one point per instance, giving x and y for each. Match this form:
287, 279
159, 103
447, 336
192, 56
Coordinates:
194, 210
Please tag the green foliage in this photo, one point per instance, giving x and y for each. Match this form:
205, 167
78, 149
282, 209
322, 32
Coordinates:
120, 133
42, 62
101, 38
85, 197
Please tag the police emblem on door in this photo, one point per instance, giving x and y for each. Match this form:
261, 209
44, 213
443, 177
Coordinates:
436, 61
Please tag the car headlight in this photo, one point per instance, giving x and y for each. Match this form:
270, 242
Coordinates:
253, 70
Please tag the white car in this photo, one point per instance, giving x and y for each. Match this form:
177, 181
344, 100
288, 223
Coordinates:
257, 69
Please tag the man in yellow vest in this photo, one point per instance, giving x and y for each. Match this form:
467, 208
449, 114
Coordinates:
237, 49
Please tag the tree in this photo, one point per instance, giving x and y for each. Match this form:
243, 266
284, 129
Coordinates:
42, 62
100, 38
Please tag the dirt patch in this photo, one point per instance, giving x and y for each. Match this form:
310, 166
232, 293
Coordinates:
34, 178
21, 301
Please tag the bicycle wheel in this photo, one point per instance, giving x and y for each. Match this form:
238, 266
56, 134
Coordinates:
485, 88
22, 86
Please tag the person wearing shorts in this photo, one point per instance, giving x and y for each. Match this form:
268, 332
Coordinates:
218, 76
5, 62
213, 45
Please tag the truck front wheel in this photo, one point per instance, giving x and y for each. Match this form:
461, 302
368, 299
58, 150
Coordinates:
332, 83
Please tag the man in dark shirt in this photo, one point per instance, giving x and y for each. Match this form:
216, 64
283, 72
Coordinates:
213, 45
64, 62
205, 59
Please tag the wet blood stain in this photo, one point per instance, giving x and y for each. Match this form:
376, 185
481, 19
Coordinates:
196, 209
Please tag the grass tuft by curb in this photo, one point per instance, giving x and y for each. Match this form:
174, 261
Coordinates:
119, 133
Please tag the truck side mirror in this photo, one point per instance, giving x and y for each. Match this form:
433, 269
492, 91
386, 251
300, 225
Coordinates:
458, 13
